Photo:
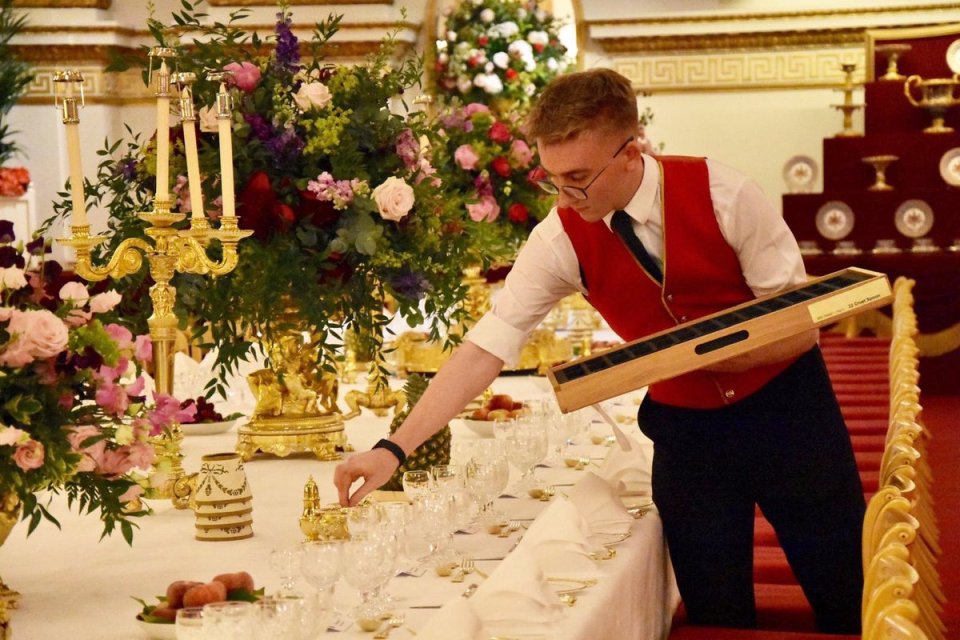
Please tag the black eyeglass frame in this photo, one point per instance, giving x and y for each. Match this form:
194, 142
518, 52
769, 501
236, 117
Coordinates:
580, 193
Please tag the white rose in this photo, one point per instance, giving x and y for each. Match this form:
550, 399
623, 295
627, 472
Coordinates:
530, 88
488, 67
443, 58
75, 293
208, 120
452, 36
394, 198
542, 15
487, 15
464, 84
507, 29
530, 64
12, 278
501, 59
441, 45
103, 302
493, 85
552, 64
520, 49
521, 13
313, 95
538, 37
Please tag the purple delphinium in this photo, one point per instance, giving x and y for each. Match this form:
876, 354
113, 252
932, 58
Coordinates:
285, 150
288, 46
259, 126
411, 285
128, 168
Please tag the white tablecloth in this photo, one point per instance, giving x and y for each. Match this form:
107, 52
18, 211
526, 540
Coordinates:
76, 586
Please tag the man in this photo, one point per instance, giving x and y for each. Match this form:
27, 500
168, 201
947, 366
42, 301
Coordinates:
653, 244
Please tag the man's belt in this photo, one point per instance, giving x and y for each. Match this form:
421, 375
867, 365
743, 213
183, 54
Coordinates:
710, 339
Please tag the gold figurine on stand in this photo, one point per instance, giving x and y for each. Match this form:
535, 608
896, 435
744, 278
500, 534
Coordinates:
169, 251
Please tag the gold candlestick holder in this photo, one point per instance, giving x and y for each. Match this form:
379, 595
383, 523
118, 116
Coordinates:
893, 51
169, 251
880, 164
848, 108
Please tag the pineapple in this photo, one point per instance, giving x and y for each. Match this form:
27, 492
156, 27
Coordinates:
436, 450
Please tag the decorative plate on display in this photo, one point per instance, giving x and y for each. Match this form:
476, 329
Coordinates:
914, 218
953, 56
800, 172
950, 167
835, 220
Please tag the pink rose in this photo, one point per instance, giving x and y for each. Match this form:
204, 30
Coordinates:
103, 302
466, 158
74, 292
86, 464
312, 95
45, 333
394, 198
6, 313
16, 354
77, 317
79, 435
121, 335
10, 436
141, 455
521, 153
29, 455
143, 348
114, 462
131, 494
246, 75
485, 210
12, 278
475, 107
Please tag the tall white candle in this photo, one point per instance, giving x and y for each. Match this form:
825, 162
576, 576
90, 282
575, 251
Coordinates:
78, 217
226, 161
193, 168
163, 138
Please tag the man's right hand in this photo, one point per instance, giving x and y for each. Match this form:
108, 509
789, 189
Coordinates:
375, 467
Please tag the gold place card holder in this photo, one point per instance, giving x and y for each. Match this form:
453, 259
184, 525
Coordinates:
705, 341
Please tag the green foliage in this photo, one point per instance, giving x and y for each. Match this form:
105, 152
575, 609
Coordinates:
15, 75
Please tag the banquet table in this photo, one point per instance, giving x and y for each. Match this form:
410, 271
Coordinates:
76, 586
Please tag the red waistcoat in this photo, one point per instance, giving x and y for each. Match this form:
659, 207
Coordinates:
701, 275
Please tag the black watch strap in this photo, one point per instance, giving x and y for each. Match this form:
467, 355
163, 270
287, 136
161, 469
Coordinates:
393, 448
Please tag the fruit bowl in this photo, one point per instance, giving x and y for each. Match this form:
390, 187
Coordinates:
483, 428
158, 630
208, 428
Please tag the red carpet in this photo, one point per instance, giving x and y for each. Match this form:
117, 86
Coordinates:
858, 370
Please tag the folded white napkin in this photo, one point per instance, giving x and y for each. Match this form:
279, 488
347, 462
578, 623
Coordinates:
559, 540
628, 471
600, 505
517, 598
456, 620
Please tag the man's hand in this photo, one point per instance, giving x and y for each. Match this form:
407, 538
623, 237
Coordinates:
375, 467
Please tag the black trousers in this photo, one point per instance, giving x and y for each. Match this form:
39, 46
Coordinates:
785, 448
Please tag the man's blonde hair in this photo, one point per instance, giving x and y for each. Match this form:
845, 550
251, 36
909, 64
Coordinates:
587, 100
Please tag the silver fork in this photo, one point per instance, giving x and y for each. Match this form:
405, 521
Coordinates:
468, 566
510, 528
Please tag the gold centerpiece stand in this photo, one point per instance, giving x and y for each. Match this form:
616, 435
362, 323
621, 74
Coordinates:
880, 164
936, 97
171, 251
848, 107
894, 51
296, 409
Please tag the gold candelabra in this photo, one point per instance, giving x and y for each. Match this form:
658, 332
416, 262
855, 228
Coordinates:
169, 251
848, 107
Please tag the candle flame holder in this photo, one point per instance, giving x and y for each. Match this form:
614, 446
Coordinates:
168, 252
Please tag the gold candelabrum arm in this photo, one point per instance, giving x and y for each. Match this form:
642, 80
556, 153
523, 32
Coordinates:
127, 258
192, 254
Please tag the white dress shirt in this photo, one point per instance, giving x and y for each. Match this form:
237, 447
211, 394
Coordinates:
547, 269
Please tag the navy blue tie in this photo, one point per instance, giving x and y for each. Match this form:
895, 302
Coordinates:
623, 227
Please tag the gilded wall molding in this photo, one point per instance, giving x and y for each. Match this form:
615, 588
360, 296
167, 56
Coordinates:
729, 71
734, 41
62, 4
99, 87
267, 3
774, 15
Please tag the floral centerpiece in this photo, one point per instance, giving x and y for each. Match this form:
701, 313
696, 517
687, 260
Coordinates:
15, 75
487, 161
73, 418
498, 51
332, 178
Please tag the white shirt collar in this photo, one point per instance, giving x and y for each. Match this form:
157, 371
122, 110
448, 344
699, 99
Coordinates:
641, 204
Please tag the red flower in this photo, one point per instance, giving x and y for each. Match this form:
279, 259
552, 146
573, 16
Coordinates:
260, 210
319, 213
511, 74
518, 213
536, 174
483, 41
473, 61
538, 47
501, 165
499, 132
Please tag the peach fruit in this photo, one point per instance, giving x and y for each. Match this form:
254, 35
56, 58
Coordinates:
205, 594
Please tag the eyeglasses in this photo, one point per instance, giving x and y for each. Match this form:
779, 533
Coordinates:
580, 193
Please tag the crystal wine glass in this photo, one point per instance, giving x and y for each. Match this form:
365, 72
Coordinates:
416, 484
286, 562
